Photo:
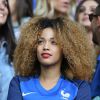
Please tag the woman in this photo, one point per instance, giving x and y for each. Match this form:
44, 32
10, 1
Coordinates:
51, 63
84, 8
7, 46
21, 12
54, 8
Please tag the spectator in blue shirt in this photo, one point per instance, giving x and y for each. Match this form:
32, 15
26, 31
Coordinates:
7, 46
52, 61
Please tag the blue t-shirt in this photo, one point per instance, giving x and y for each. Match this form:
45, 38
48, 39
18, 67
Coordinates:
29, 88
63, 90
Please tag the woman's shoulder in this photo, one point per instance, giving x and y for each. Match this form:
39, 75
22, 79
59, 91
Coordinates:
80, 83
14, 88
18, 79
14, 92
84, 91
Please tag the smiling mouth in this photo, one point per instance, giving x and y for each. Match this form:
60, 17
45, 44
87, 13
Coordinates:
1, 15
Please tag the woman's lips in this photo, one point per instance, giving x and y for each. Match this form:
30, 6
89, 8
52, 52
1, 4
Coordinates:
46, 55
85, 18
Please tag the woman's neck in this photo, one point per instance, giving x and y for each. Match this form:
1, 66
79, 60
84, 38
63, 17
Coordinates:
49, 77
50, 73
59, 14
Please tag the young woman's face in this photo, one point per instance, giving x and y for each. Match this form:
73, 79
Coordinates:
49, 52
61, 6
87, 8
3, 11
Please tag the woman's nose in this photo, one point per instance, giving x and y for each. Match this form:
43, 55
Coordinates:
87, 12
46, 46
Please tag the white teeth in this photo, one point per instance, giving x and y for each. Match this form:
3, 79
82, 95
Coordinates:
1, 15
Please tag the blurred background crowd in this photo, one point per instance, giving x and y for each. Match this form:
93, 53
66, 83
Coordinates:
14, 14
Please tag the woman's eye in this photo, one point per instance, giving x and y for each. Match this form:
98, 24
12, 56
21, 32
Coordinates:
82, 9
40, 41
54, 42
92, 10
5, 3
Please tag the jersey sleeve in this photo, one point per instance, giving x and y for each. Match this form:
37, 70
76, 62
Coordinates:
84, 91
14, 92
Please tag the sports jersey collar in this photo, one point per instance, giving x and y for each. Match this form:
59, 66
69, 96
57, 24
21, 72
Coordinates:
52, 91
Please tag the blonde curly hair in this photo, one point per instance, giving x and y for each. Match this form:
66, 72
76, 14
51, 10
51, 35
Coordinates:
78, 55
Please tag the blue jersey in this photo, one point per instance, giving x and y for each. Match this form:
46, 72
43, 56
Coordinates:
63, 90
31, 89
